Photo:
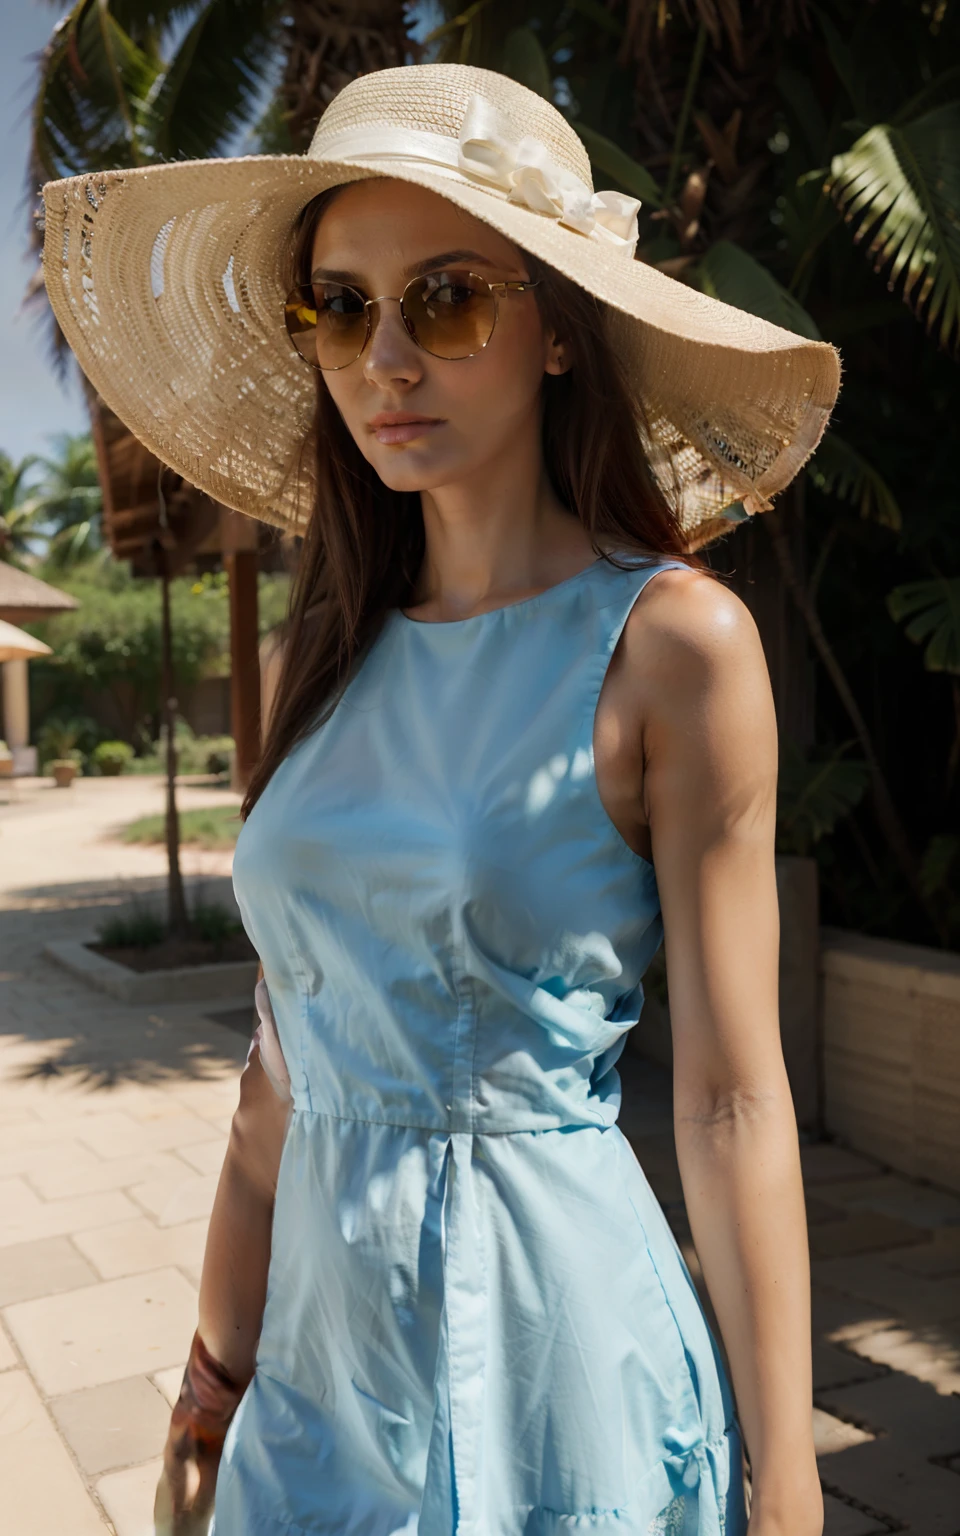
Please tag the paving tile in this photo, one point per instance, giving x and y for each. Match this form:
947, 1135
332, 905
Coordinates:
917, 1416
24, 1217
128, 1498
43, 1493
929, 1354
172, 1201
169, 1381
42, 1268
832, 1367
133, 1247
58, 1179
119, 1135
106, 1332
839, 1318
206, 1156
819, 1210
116, 1425
823, 1163
913, 1297
8, 1359
843, 1520
62, 1153
904, 1199
888, 1478
939, 1258
832, 1434
863, 1232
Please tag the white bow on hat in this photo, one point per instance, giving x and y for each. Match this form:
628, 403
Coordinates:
490, 149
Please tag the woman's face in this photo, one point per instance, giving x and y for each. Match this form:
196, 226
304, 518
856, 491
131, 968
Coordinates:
476, 409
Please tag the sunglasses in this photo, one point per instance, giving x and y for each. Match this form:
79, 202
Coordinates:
448, 314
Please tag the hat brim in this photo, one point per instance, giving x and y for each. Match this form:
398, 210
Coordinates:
168, 283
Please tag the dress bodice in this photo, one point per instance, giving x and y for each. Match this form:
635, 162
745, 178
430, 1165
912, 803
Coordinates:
452, 930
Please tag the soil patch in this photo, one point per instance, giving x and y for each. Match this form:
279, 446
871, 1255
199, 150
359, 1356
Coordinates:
171, 954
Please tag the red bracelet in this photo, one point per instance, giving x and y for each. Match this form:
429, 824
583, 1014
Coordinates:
208, 1397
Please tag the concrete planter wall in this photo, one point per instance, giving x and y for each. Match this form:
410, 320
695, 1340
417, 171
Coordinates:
891, 1052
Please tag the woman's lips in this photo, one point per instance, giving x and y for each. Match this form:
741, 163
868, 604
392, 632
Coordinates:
404, 431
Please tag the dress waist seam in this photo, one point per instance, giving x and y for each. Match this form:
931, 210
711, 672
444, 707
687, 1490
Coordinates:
306, 1113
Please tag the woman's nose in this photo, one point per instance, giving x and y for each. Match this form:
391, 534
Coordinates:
391, 352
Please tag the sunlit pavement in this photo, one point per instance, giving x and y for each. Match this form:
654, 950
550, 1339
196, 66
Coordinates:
113, 1122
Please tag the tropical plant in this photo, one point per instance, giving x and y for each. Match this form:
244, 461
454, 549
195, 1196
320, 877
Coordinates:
65, 503
16, 514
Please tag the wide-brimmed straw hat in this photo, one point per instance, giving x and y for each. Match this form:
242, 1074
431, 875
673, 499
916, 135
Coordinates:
169, 282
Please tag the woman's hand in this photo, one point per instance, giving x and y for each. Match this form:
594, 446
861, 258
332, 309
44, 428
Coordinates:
208, 1400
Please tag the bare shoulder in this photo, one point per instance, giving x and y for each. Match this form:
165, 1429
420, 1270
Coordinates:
690, 624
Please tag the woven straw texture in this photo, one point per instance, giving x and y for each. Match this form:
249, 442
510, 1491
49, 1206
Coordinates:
168, 283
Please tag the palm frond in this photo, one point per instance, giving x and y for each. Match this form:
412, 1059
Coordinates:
932, 611
93, 83
215, 79
838, 469
814, 794
525, 60
900, 185
729, 273
614, 162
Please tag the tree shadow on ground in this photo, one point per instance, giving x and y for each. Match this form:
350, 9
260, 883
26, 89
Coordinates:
72, 1036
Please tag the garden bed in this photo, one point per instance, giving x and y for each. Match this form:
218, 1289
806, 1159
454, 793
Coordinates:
174, 954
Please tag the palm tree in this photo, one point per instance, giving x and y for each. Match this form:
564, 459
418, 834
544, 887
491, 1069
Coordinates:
66, 504
16, 516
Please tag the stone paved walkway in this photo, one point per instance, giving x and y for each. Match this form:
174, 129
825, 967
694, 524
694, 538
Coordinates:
113, 1122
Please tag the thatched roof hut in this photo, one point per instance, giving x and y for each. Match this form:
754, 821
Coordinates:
24, 599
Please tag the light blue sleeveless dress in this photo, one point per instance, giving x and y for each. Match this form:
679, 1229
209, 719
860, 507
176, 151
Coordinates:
478, 1322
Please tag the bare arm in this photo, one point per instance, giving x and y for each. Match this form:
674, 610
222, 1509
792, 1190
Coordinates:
709, 788
233, 1290
233, 1285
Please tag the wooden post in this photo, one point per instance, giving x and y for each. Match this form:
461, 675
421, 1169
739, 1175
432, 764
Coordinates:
239, 545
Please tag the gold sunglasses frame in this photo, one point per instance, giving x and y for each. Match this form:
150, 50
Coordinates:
514, 285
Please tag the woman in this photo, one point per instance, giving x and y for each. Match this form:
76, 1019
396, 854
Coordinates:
504, 763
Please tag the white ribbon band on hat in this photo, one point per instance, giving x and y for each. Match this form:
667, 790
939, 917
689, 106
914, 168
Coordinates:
491, 151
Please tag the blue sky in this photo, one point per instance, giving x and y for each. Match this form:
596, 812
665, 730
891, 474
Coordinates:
33, 403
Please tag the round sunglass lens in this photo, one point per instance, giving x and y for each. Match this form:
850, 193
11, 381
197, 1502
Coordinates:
452, 314
300, 316
327, 324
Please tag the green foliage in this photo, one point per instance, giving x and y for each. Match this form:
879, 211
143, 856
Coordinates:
216, 826
140, 928
814, 794
16, 516
112, 643
214, 923
730, 273
932, 611
901, 186
838, 469
112, 758
124, 83
66, 737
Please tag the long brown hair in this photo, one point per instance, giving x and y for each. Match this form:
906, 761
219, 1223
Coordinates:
364, 543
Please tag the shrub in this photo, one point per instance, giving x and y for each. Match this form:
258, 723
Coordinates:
112, 757
61, 737
138, 929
